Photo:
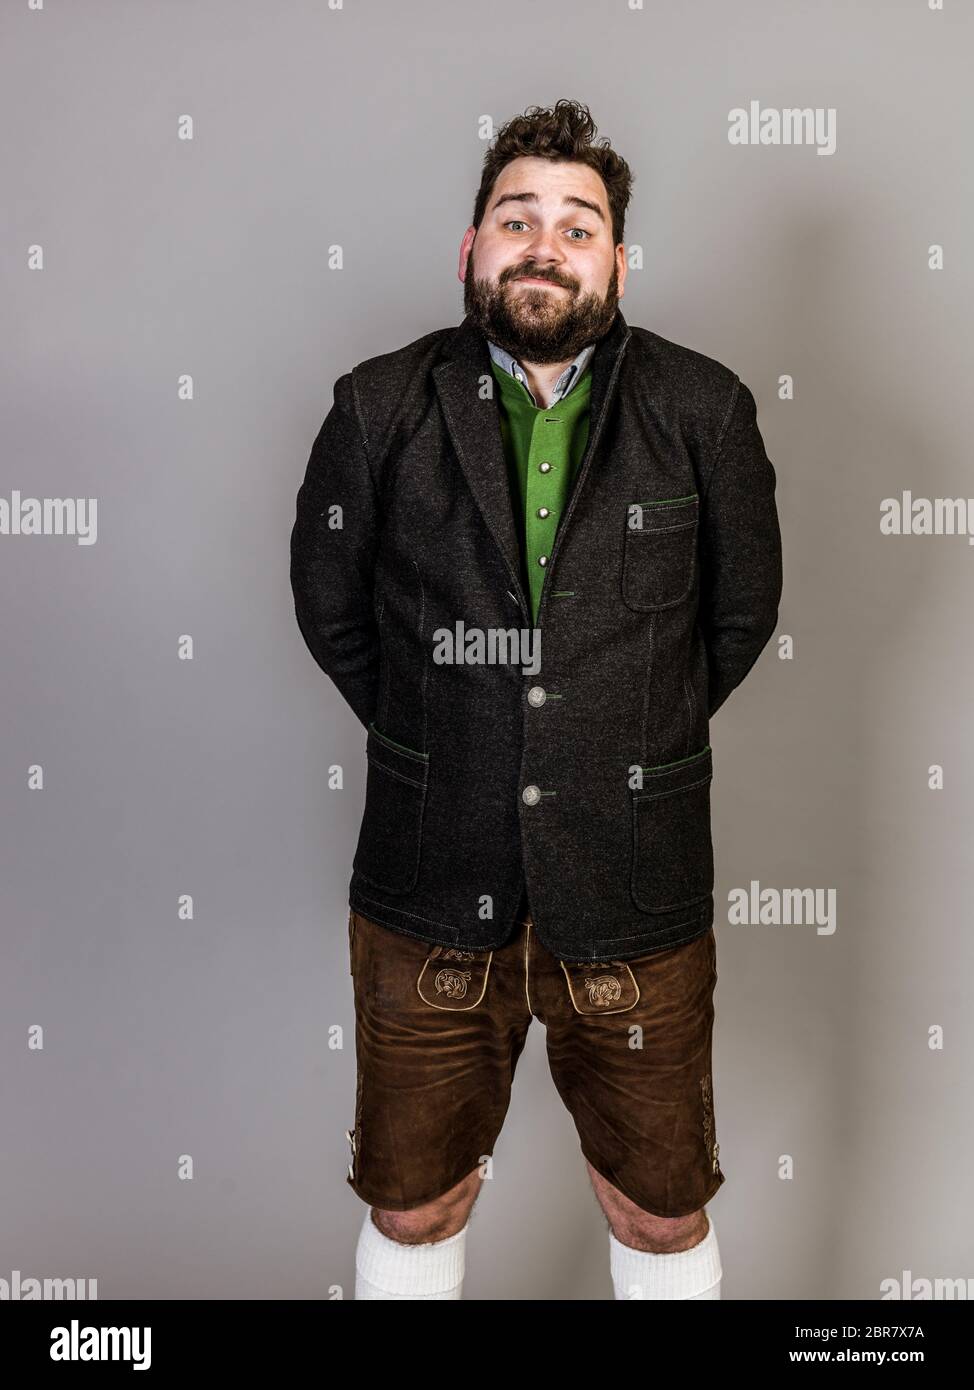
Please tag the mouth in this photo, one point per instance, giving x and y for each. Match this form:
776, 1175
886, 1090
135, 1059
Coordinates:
534, 280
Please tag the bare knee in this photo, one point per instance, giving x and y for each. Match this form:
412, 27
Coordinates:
436, 1220
662, 1235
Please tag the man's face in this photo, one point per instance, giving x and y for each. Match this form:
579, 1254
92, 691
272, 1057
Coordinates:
541, 277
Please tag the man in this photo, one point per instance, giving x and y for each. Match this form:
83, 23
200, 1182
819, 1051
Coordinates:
536, 836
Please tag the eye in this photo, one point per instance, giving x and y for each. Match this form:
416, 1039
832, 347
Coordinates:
582, 230
513, 220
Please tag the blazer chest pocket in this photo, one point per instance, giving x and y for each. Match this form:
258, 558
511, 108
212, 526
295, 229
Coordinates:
672, 847
390, 838
659, 555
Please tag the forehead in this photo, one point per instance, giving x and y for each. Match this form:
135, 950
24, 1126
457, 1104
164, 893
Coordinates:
551, 179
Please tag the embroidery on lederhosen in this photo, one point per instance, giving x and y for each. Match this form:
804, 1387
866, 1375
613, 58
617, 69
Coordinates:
449, 986
600, 987
354, 1135
709, 1137
350, 1136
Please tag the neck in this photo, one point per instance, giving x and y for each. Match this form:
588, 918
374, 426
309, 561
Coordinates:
542, 377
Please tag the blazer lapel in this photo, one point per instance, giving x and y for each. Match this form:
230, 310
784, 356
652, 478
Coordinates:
473, 423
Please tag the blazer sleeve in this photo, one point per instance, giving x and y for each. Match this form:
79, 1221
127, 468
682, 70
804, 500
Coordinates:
334, 542
740, 551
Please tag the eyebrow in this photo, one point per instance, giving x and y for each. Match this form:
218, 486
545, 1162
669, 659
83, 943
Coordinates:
570, 200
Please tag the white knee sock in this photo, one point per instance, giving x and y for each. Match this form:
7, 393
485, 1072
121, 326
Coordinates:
387, 1268
693, 1273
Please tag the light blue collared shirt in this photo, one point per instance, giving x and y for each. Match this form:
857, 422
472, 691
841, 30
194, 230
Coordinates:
564, 383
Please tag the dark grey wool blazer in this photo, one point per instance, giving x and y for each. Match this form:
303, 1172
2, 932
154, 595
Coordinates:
586, 780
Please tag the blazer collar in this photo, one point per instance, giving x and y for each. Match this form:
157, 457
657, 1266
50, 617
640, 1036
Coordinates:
473, 421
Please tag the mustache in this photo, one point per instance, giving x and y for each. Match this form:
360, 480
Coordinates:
535, 274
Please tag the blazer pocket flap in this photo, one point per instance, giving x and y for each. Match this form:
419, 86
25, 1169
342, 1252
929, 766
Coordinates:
677, 776
666, 515
396, 758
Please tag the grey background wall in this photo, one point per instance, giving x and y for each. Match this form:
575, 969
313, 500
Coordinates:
212, 1037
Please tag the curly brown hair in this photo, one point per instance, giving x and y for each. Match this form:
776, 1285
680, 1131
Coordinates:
562, 132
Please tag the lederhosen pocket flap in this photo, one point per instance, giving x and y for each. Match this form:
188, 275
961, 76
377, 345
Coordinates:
454, 979
600, 987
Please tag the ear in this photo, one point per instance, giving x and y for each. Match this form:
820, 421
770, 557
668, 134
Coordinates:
622, 267
466, 246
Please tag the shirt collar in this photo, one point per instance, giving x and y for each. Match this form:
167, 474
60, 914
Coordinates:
564, 383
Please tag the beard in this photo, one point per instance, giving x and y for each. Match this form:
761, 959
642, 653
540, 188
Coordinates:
538, 325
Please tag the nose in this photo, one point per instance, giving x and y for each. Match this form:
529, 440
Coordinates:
543, 249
